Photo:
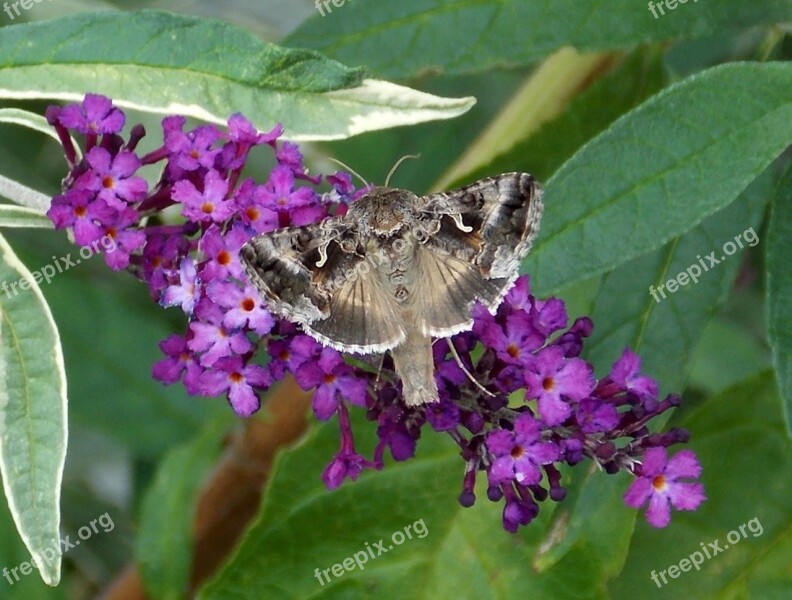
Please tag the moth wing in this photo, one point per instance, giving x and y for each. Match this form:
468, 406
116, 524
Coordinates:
282, 266
363, 318
312, 276
449, 287
490, 223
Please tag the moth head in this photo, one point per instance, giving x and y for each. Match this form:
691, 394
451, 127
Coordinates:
384, 211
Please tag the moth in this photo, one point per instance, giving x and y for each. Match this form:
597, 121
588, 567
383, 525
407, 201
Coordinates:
399, 269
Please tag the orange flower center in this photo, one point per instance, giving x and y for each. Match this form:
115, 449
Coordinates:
108, 182
207, 208
248, 304
659, 482
513, 351
548, 383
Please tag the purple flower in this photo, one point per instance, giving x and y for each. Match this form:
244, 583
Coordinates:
594, 415
347, 463
519, 296
290, 354
343, 465
222, 253
185, 292
516, 340
293, 207
518, 454
125, 242
209, 205
659, 484
243, 306
334, 381
289, 155
78, 209
625, 374
555, 380
443, 415
238, 381
111, 178
518, 511
393, 433
95, 115
549, 316
192, 150
214, 340
161, 254
251, 210
242, 131
180, 361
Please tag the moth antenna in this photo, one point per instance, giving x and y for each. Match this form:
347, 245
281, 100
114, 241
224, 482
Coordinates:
461, 366
396, 166
350, 169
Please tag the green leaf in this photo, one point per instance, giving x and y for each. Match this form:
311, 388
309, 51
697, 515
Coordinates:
779, 290
333, 525
660, 170
664, 334
727, 354
165, 63
400, 40
454, 552
33, 425
22, 216
664, 327
741, 444
168, 511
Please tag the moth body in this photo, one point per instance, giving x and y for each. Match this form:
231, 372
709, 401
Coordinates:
399, 269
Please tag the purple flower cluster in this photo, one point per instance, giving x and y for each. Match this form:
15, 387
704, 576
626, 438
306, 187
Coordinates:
543, 406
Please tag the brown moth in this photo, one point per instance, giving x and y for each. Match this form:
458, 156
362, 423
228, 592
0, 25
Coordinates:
399, 269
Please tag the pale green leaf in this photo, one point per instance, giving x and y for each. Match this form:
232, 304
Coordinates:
33, 424
166, 63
